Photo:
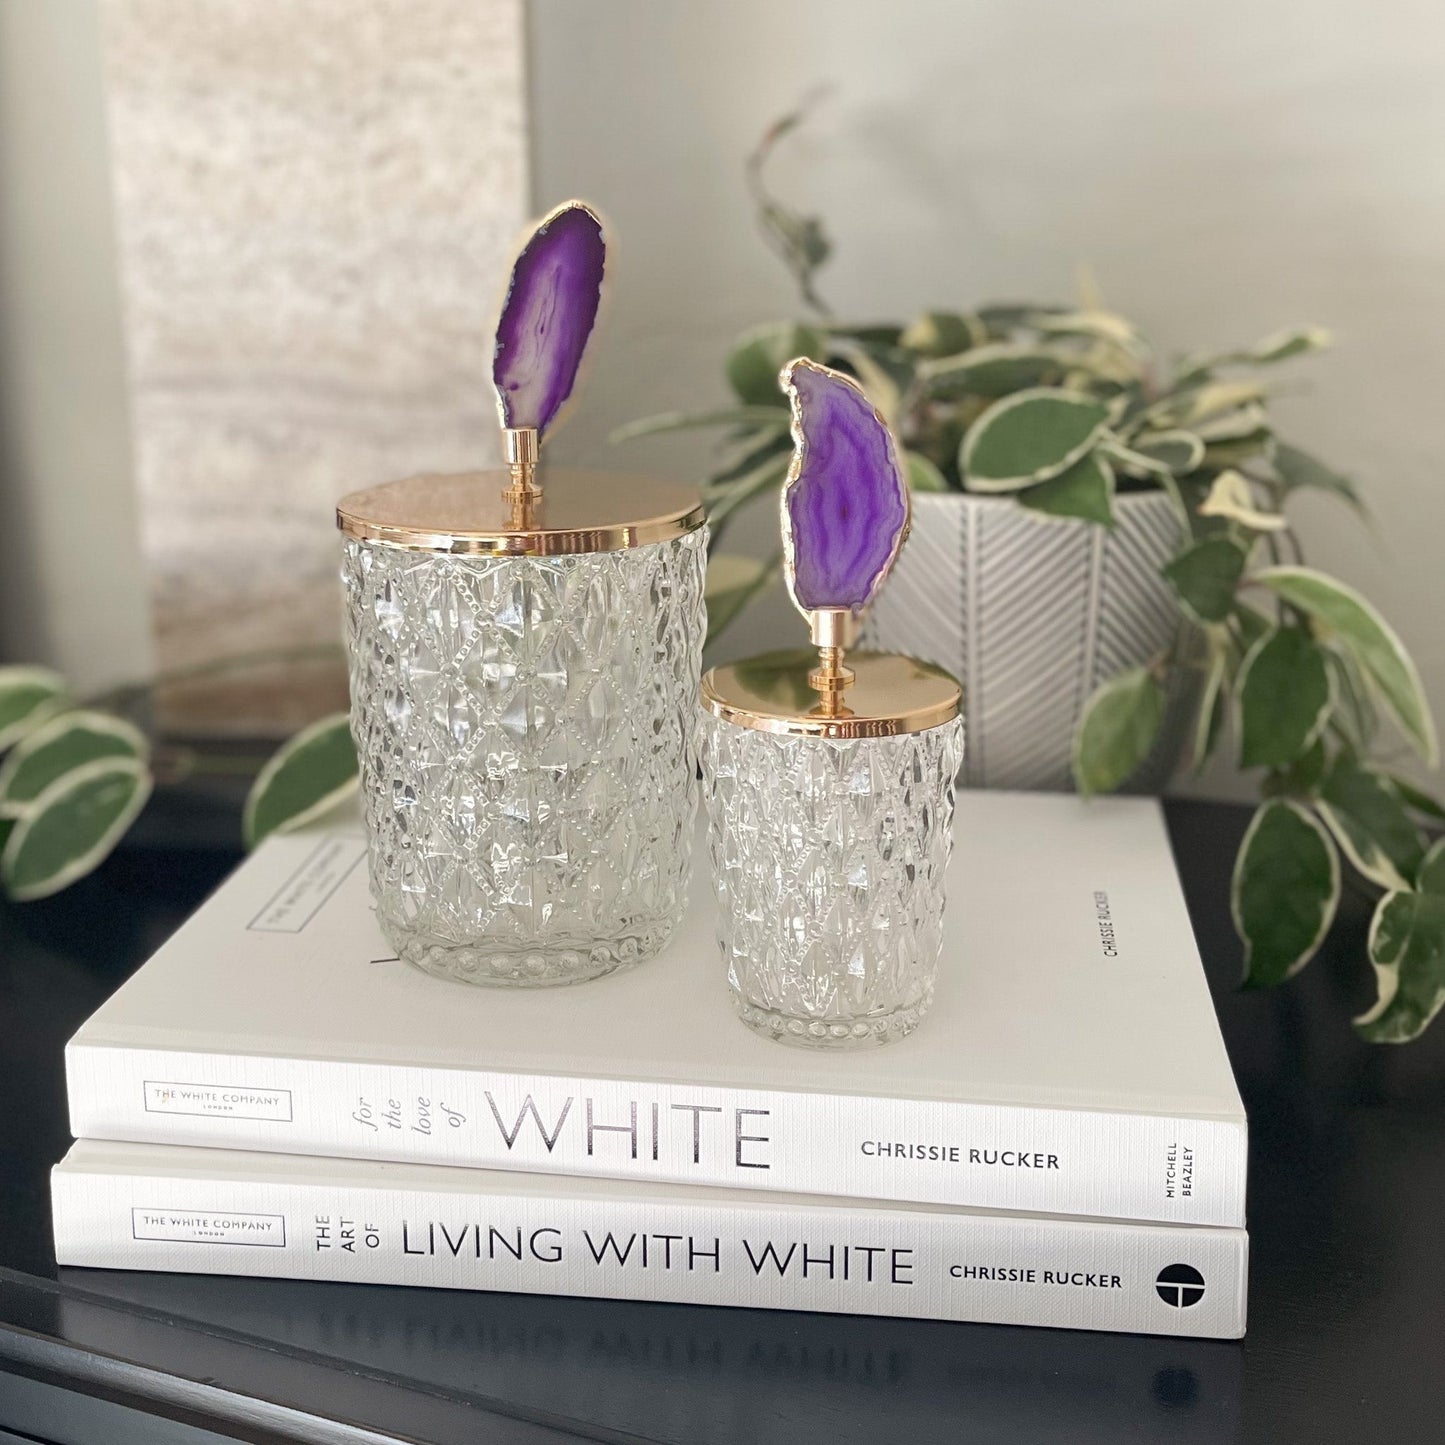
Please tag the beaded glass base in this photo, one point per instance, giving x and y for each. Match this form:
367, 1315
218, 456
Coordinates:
525, 732
828, 860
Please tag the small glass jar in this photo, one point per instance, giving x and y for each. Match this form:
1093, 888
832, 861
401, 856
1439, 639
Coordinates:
830, 831
523, 686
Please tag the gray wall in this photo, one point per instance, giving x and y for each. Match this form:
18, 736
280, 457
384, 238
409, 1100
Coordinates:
71, 590
1226, 169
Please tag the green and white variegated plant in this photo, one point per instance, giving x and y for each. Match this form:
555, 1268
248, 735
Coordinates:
306, 778
1062, 407
74, 778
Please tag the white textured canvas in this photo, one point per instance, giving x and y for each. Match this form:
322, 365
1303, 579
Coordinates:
315, 208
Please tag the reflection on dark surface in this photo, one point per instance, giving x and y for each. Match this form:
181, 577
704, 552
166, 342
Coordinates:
1347, 1273
671, 1372
60, 959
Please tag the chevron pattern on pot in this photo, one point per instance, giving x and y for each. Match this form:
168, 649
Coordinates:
1031, 614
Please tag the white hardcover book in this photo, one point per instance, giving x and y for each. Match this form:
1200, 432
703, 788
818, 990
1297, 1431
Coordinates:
212, 1211
1071, 1064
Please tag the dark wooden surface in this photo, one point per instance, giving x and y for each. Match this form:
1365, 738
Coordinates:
1347, 1219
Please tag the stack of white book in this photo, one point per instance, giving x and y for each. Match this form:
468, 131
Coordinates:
1060, 1143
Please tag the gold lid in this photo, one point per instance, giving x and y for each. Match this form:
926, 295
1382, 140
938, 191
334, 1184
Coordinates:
886, 696
562, 511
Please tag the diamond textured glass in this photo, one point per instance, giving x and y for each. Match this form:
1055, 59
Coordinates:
525, 729
828, 860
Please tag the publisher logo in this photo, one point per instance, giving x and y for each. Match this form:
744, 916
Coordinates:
300, 898
1180, 1285
227, 1101
179, 1226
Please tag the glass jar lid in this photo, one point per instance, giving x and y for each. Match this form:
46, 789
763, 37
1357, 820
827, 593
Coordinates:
567, 511
886, 695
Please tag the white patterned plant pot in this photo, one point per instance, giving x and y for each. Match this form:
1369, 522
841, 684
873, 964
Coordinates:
1032, 614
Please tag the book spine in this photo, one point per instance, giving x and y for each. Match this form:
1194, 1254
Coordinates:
1075, 1274
987, 1156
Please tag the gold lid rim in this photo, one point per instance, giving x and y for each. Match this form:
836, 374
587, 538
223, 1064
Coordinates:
651, 511
936, 698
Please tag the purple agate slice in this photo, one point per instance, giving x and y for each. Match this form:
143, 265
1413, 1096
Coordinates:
845, 507
547, 316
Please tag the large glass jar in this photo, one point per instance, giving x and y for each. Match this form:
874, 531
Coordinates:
830, 839
522, 698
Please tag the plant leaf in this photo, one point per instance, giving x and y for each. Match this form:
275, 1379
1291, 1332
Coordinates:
1407, 949
1101, 325
943, 333
732, 582
923, 475
760, 418
1204, 577
60, 746
1284, 698
1284, 892
1300, 778
1232, 451
71, 828
1430, 877
761, 353
1029, 437
1192, 405
1252, 623
1127, 407
303, 780
28, 695
1011, 315
1210, 717
1370, 640
800, 240
1417, 798
1116, 730
998, 369
1370, 823
741, 458
767, 475
1130, 462
1085, 492
1168, 453
1233, 426
1354, 706
1299, 469
870, 333
1232, 497
1281, 345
